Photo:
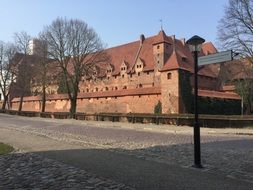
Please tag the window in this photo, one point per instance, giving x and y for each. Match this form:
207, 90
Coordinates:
115, 77
122, 76
158, 47
139, 74
140, 85
116, 88
147, 73
106, 88
124, 87
131, 75
169, 75
87, 90
184, 59
97, 89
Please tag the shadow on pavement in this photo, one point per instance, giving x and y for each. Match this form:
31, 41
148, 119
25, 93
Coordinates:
141, 172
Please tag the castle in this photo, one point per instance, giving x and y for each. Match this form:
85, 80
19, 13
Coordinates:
140, 74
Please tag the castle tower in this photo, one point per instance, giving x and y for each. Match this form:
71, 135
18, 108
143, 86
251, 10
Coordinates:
161, 50
37, 47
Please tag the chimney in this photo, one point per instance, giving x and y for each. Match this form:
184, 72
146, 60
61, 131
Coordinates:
142, 38
183, 41
174, 42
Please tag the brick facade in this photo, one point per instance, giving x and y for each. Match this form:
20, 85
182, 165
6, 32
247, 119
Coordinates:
140, 74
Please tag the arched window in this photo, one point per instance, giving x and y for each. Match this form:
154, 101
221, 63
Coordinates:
169, 75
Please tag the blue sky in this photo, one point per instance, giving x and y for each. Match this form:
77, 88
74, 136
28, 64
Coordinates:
116, 21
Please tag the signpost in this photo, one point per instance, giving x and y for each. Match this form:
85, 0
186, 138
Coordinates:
216, 58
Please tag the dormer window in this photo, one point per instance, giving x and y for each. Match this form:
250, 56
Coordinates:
184, 59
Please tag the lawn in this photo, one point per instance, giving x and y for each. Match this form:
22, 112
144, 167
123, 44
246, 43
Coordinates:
4, 148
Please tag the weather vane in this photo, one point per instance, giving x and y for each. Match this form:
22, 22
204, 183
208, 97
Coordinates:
161, 21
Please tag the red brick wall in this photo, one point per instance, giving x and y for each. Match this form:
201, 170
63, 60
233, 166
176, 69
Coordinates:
170, 92
125, 104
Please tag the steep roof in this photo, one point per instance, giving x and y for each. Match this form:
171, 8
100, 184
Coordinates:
180, 56
123, 53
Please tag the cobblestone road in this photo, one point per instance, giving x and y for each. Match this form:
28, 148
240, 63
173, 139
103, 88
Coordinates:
30, 171
230, 155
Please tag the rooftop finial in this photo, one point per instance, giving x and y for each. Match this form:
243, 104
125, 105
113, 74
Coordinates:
161, 21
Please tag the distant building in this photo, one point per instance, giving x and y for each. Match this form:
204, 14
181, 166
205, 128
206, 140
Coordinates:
37, 47
140, 74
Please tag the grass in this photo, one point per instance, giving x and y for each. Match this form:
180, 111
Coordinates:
5, 149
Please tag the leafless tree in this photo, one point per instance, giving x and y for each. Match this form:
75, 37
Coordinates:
22, 40
77, 49
7, 52
44, 73
235, 31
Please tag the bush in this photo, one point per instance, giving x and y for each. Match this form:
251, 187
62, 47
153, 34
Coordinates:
5, 149
158, 108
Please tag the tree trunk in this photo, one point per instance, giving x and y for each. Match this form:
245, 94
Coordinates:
73, 107
4, 102
43, 99
21, 103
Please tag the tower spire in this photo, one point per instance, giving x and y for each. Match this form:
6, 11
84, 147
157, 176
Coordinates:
161, 22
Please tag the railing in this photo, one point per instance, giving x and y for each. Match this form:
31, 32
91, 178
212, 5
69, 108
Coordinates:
215, 121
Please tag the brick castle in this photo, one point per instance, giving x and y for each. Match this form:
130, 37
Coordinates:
140, 74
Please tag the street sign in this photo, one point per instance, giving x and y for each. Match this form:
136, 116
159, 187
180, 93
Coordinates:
215, 58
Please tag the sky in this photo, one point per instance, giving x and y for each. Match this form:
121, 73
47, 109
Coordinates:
116, 21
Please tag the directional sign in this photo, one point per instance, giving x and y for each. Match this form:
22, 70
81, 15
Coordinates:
215, 58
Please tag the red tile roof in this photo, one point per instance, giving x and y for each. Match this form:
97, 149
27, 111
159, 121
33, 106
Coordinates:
208, 48
217, 94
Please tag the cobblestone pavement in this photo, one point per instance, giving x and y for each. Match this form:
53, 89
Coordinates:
30, 171
228, 154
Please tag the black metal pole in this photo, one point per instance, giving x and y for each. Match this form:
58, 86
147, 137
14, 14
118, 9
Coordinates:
197, 153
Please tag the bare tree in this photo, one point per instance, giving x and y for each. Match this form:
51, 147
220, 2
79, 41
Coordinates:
7, 52
44, 73
77, 49
22, 40
235, 31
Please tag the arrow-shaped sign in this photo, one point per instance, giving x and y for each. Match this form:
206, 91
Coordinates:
215, 58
